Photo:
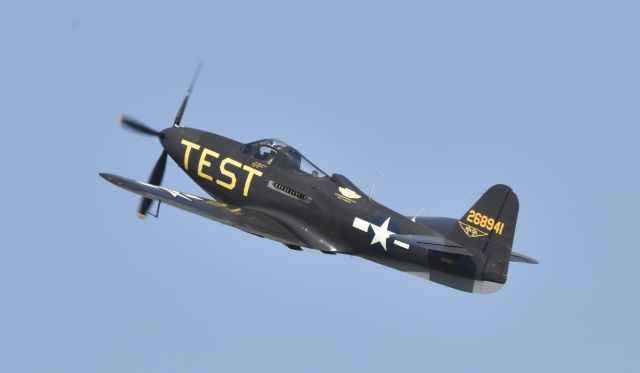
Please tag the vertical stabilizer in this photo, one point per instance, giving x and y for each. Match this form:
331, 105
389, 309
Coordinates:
487, 231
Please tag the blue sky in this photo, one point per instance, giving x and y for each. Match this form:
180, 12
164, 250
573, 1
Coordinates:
444, 98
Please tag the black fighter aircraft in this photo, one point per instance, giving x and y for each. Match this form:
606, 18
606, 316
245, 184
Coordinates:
269, 189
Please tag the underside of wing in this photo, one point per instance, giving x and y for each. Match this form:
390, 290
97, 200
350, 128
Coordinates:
254, 221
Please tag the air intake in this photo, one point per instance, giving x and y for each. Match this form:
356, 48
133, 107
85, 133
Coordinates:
288, 191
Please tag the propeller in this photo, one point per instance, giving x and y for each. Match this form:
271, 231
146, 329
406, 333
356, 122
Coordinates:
137, 126
158, 170
154, 179
176, 122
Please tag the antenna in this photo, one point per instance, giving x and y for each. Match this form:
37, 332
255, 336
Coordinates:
373, 184
413, 219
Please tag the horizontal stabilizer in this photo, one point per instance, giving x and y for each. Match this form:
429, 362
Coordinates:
437, 243
521, 258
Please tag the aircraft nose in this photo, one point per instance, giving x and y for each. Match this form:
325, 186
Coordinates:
172, 140
168, 135
168, 138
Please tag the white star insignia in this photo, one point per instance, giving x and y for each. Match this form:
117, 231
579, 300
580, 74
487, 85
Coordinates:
381, 233
174, 193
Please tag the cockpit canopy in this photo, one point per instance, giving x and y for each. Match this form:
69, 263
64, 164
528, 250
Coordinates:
273, 150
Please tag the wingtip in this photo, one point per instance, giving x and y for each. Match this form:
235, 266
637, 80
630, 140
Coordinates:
106, 176
113, 179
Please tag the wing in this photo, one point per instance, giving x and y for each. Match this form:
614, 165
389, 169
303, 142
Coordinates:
254, 221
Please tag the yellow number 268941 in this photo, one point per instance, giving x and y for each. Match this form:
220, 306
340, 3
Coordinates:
484, 221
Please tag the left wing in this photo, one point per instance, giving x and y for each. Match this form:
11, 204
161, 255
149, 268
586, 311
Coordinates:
254, 221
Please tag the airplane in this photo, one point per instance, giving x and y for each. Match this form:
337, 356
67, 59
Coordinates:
269, 189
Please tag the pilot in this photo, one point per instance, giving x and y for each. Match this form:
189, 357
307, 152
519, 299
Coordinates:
265, 154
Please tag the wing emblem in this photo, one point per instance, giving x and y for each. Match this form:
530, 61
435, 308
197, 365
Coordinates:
470, 231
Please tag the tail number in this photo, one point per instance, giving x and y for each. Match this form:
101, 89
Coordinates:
485, 221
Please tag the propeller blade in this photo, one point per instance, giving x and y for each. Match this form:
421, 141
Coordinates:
176, 122
154, 179
134, 125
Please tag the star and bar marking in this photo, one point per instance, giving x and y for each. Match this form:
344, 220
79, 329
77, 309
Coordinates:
381, 233
174, 193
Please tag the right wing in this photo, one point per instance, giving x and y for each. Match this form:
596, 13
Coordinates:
254, 221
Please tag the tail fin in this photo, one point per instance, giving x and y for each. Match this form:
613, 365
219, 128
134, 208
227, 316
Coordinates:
487, 231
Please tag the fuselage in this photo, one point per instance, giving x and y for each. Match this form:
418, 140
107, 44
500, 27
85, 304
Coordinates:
272, 176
